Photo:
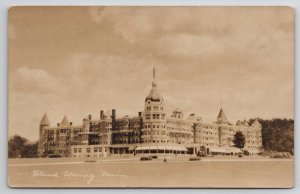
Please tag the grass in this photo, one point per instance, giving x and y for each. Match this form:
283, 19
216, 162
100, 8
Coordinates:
130, 172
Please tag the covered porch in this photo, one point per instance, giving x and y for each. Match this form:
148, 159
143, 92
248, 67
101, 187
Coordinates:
160, 149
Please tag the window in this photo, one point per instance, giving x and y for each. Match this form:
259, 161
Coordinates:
148, 108
88, 150
95, 149
147, 116
155, 116
155, 108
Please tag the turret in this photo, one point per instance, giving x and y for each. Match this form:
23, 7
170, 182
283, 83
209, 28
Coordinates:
222, 119
245, 123
154, 95
43, 123
256, 124
154, 115
65, 122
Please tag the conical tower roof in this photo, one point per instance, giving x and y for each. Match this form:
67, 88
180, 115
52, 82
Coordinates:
45, 120
222, 116
245, 123
256, 123
65, 121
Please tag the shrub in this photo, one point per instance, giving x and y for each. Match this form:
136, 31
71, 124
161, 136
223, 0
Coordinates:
273, 154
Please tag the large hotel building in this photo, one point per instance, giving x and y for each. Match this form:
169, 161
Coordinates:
150, 132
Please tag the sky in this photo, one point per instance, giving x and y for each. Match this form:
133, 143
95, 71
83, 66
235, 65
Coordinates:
77, 61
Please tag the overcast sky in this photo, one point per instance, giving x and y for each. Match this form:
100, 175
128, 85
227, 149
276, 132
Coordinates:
76, 61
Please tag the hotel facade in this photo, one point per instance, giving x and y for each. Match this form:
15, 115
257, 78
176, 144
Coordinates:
150, 132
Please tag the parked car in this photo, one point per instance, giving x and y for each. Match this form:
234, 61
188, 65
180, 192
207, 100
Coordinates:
145, 158
194, 159
90, 161
55, 156
153, 157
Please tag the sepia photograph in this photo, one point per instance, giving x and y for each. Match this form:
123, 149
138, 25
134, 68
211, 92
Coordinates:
151, 97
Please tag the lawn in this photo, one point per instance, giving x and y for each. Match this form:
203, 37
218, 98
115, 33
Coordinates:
130, 172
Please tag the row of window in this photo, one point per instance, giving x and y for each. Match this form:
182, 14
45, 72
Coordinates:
155, 108
155, 141
154, 133
154, 126
121, 141
126, 133
179, 123
179, 135
88, 150
155, 116
180, 129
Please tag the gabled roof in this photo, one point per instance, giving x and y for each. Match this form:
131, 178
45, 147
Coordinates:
65, 121
45, 120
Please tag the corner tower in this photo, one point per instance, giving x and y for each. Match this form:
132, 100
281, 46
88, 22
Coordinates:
43, 123
154, 130
222, 119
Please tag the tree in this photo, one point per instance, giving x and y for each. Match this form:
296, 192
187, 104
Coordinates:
239, 140
20, 147
277, 134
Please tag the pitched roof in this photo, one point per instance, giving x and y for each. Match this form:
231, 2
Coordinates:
45, 120
245, 123
256, 123
222, 116
65, 121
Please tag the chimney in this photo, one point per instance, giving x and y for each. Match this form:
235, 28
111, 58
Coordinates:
101, 114
90, 117
113, 114
71, 123
113, 119
140, 114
